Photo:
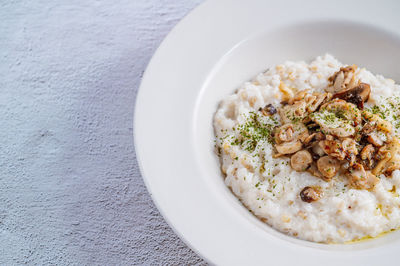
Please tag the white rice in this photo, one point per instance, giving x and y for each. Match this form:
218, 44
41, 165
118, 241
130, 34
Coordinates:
342, 214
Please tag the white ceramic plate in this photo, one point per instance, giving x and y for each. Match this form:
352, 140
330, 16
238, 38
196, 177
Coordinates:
206, 57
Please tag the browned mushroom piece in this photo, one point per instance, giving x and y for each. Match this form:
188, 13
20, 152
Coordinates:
313, 138
328, 167
382, 152
383, 156
368, 128
293, 113
291, 132
267, 110
343, 109
367, 156
338, 118
317, 149
315, 100
311, 193
314, 170
319, 136
284, 133
301, 160
350, 149
344, 78
303, 136
333, 148
375, 139
342, 131
394, 165
357, 95
309, 139
388, 157
381, 124
349, 146
289, 147
361, 179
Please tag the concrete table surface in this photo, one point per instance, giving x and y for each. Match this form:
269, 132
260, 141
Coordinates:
70, 189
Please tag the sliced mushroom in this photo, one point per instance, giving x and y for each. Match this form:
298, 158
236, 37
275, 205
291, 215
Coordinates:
375, 139
338, 118
356, 95
301, 160
338, 82
289, 147
388, 156
381, 124
361, 179
333, 148
317, 149
382, 152
369, 128
367, 155
350, 149
349, 146
309, 139
392, 166
284, 133
383, 156
313, 137
267, 110
340, 149
333, 125
328, 167
343, 109
303, 136
314, 170
291, 132
310, 194
315, 100
293, 113
342, 131
344, 79
367, 152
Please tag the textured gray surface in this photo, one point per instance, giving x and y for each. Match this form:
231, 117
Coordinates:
70, 188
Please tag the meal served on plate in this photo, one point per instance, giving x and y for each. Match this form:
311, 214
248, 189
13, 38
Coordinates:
313, 149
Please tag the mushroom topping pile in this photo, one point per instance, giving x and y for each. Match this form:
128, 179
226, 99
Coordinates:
331, 133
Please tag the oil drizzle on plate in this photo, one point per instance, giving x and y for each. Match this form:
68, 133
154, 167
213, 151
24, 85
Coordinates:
368, 237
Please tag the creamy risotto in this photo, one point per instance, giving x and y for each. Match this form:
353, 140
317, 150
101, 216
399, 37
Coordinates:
313, 150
